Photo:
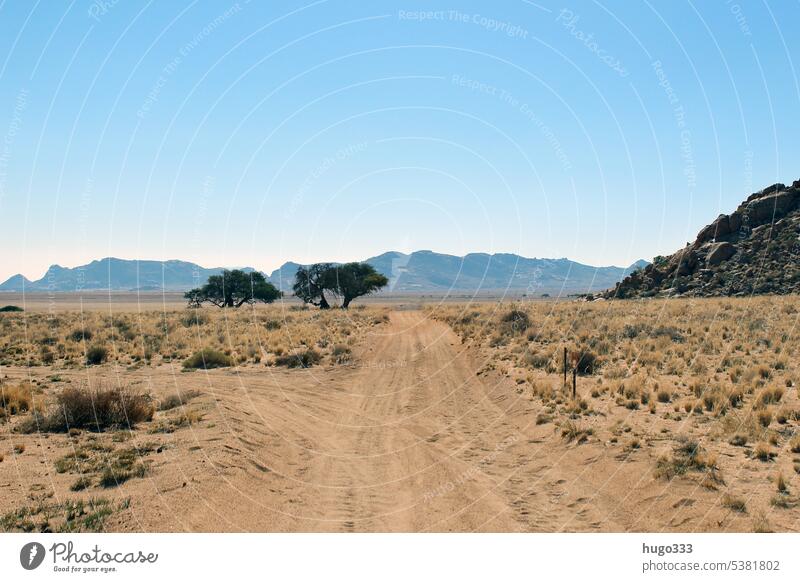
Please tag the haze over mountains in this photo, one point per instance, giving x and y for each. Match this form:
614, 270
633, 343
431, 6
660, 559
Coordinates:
417, 272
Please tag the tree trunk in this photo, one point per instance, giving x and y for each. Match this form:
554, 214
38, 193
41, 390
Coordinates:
323, 303
346, 302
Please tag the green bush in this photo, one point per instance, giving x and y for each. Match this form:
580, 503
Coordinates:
207, 359
11, 309
80, 335
96, 355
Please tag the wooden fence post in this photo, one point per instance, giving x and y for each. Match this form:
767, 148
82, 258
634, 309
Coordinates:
574, 380
565, 366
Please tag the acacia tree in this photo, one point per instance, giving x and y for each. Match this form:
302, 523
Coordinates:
356, 280
233, 289
310, 284
347, 282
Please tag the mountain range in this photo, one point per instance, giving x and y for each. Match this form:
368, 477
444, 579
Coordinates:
417, 272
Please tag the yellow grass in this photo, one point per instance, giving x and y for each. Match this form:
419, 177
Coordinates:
247, 336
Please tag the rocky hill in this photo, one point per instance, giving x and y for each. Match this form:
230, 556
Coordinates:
753, 250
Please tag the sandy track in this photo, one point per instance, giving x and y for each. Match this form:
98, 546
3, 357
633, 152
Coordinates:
386, 445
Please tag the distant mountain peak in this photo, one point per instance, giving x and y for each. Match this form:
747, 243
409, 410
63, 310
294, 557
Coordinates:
426, 271
423, 271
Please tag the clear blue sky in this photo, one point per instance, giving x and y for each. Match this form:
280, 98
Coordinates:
254, 133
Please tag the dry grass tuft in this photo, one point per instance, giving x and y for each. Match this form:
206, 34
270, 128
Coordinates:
571, 431
15, 399
687, 456
177, 399
734, 503
92, 409
763, 452
303, 359
207, 359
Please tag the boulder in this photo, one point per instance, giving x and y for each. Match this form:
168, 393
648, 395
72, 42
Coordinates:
772, 206
707, 233
719, 252
735, 222
774, 188
687, 262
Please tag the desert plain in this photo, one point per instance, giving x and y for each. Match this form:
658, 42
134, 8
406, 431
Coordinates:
401, 416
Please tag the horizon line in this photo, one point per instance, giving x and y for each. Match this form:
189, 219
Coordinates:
110, 257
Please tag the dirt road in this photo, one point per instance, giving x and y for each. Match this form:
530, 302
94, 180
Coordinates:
398, 442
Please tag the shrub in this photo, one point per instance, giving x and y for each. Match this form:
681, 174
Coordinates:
734, 503
537, 360
515, 321
81, 484
194, 317
80, 335
15, 399
763, 452
304, 359
67, 517
96, 355
341, 353
177, 399
47, 356
770, 395
207, 359
781, 501
668, 331
585, 362
114, 476
760, 523
573, 432
631, 331
738, 440
687, 456
735, 398
92, 409
10, 309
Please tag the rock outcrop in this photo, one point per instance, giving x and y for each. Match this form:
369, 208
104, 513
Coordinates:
754, 250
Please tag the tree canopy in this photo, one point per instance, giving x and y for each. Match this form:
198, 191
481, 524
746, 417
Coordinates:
345, 282
311, 282
233, 289
357, 279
